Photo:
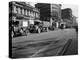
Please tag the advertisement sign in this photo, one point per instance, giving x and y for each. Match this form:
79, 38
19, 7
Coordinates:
31, 21
25, 23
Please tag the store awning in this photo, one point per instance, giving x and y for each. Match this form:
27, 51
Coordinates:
37, 21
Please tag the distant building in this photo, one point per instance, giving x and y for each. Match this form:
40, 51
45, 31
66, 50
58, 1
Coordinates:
49, 12
22, 14
75, 22
66, 13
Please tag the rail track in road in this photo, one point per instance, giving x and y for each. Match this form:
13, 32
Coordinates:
39, 48
42, 45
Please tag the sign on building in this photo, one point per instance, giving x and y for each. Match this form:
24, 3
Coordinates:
31, 21
25, 23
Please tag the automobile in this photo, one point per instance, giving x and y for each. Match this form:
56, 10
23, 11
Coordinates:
62, 25
34, 28
24, 31
51, 27
15, 32
19, 31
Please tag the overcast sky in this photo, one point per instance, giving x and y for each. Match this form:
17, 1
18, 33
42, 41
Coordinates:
73, 7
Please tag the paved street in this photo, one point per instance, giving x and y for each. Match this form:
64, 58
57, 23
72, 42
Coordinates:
50, 43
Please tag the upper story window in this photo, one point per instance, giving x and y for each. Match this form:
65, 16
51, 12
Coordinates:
36, 14
14, 9
29, 13
19, 10
23, 11
33, 13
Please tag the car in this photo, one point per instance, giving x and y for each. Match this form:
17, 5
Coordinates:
15, 32
34, 28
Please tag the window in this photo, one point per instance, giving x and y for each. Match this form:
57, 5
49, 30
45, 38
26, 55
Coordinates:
26, 12
14, 9
23, 11
19, 12
34, 14
29, 13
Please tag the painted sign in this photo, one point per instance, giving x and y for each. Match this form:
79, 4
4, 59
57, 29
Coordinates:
25, 23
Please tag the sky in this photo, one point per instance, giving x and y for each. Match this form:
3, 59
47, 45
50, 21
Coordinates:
73, 7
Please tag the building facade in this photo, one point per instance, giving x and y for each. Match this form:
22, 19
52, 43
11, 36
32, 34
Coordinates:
66, 13
49, 12
22, 14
